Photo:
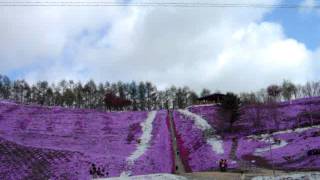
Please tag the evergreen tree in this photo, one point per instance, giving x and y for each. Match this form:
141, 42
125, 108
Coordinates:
78, 92
192, 98
133, 92
231, 104
205, 92
142, 96
68, 97
90, 89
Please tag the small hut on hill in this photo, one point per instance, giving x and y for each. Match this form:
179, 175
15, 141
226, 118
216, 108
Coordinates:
215, 98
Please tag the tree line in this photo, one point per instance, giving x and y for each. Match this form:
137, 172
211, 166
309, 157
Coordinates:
142, 95
285, 91
267, 100
91, 95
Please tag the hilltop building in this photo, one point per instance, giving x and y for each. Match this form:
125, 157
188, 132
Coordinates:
215, 98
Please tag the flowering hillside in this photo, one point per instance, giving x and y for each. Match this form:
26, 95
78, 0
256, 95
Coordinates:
62, 143
158, 156
289, 148
295, 134
200, 146
59, 143
263, 118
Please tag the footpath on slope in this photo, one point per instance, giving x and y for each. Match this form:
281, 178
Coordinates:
234, 147
224, 176
179, 169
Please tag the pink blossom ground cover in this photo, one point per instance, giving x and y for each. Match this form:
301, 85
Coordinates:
24, 162
76, 138
255, 119
158, 157
289, 153
209, 113
294, 155
196, 153
53, 142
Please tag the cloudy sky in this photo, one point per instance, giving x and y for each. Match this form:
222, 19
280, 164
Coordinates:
230, 49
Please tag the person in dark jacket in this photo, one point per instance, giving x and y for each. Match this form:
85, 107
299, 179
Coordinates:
223, 165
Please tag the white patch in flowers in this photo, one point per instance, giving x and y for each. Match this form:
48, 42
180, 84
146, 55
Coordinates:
215, 142
144, 144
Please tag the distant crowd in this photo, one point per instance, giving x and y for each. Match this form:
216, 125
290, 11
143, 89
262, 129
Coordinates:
97, 172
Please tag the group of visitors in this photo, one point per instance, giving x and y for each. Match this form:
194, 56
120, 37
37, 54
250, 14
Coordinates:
97, 172
314, 152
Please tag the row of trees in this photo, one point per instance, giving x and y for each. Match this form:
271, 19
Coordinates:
266, 101
142, 95
230, 105
284, 92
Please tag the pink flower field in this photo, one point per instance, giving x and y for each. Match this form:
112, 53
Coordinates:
59, 143
38, 142
290, 141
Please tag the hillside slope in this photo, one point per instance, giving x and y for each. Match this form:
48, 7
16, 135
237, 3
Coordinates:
79, 138
294, 127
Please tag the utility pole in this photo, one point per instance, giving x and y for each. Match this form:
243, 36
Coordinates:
270, 146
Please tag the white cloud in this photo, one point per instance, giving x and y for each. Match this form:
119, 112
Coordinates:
34, 34
259, 55
227, 49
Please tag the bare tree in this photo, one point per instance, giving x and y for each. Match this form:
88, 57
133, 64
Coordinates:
274, 92
298, 93
288, 90
262, 96
248, 98
307, 90
315, 86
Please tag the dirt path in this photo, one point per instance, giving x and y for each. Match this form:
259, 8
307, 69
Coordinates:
212, 176
234, 147
178, 162
215, 175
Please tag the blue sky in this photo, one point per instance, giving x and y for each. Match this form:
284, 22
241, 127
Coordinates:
198, 47
297, 24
